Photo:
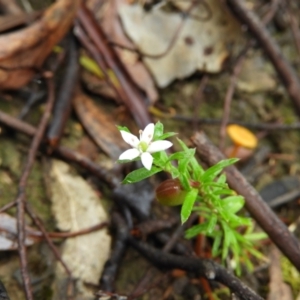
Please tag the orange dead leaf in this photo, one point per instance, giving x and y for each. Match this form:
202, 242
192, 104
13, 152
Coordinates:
25, 50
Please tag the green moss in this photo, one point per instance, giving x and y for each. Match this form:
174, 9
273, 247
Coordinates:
8, 188
12, 163
72, 134
36, 194
290, 275
10, 157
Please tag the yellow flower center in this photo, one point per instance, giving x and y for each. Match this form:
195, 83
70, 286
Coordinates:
143, 146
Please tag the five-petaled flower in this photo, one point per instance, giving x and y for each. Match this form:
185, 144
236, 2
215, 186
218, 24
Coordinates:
144, 146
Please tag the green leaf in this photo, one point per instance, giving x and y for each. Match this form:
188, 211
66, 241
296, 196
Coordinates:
257, 236
232, 219
183, 169
232, 203
223, 192
216, 186
158, 130
174, 172
184, 180
216, 245
256, 253
166, 135
188, 204
236, 221
202, 209
197, 169
212, 223
195, 230
182, 155
248, 263
222, 179
215, 170
140, 174
227, 239
123, 128
160, 159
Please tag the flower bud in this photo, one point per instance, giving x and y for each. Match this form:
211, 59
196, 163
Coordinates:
170, 192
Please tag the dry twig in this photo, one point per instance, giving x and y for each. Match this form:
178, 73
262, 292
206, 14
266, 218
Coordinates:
21, 197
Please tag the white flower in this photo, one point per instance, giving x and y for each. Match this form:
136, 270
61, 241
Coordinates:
144, 146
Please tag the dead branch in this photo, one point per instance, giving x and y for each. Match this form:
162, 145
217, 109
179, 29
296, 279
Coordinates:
21, 197
126, 89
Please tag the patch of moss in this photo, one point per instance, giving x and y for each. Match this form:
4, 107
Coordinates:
10, 157
36, 194
72, 134
290, 275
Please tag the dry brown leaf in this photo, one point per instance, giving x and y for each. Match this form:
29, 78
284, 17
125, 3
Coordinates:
112, 26
76, 206
8, 22
96, 85
202, 44
10, 7
100, 125
24, 51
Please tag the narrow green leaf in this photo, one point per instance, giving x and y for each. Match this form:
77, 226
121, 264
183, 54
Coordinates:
216, 245
184, 162
215, 170
158, 130
195, 230
188, 204
184, 180
257, 236
174, 172
236, 221
256, 253
140, 174
166, 135
237, 253
123, 128
197, 169
216, 185
212, 223
160, 158
223, 192
227, 240
182, 144
222, 179
248, 263
233, 203
182, 155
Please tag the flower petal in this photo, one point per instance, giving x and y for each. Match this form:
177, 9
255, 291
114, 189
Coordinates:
129, 154
147, 160
148, 133
130, 139
159, 146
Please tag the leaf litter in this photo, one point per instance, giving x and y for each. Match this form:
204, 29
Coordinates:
76, 206
253, 79
203, 43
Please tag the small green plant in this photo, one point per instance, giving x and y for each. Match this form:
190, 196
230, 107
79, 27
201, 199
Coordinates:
203, 191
